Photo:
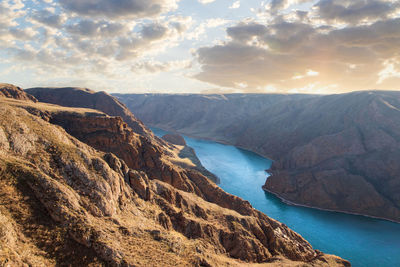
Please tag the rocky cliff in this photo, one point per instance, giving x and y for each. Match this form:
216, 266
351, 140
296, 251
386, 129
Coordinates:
86, 98
11, 91
335, 152
62, 202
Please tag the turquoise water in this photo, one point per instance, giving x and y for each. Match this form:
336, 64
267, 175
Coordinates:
361, 240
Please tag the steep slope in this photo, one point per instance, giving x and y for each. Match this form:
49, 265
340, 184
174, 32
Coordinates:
63, 202
335, 152
86, 98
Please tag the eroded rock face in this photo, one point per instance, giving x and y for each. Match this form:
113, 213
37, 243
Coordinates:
11, 91
335, 152
113, 135
80, 206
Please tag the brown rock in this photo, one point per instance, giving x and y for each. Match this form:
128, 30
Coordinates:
11, 91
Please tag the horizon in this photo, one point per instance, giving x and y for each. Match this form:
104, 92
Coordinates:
202, 47
199, 93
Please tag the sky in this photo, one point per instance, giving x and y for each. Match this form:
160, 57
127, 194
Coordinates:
202, 46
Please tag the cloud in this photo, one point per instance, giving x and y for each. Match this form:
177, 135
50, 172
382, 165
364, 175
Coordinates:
94, 47
10, 13
354, 11
22, 34
204, 2
201, 29
245, 31
276, 5
156, 66
119, 8
101, 29
289, 55
154, 31
48, 18
235, 5
68, 37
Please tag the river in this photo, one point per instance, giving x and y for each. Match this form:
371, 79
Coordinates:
361, 240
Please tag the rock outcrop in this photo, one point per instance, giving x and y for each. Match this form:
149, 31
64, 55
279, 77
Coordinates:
335, 152
11, 91
62, 202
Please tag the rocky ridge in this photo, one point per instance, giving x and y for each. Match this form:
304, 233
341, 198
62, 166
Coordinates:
86, 98
69, 203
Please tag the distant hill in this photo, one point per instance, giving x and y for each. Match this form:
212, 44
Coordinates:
336, 152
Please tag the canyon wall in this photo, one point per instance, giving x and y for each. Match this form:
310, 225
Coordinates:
335, 152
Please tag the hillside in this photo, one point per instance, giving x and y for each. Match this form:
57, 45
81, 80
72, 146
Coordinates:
335, 152
62, 202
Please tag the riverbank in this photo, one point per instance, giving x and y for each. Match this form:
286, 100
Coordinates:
288, 202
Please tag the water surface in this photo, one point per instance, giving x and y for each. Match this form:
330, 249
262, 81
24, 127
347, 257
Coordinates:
361, 240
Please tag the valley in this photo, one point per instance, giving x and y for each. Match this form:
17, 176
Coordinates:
336, 152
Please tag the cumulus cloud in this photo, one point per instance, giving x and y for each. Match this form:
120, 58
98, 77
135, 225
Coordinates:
90, 28
275, 5
235, 5
22, 34
354, 11
10, 13
119, 8
289, 55
153, 31
245, 31
65, 38
48, 18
